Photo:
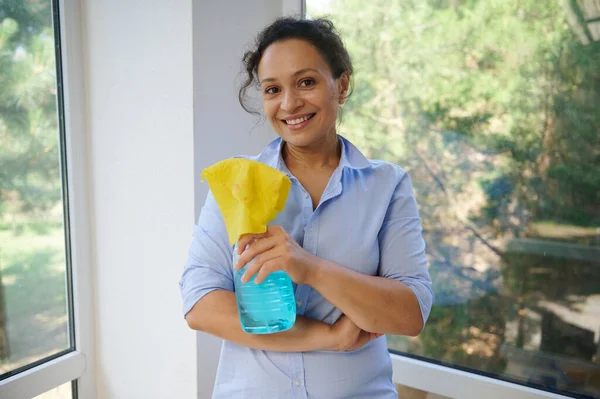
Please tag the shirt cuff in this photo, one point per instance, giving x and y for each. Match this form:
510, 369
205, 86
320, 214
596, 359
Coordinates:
424, 295
199, 281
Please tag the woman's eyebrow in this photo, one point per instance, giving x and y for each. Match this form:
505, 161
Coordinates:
300, 72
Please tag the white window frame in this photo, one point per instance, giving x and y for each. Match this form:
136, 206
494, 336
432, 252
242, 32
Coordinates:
442, 380
454, 383
79, 364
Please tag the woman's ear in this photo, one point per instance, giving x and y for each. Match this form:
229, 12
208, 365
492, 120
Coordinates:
343, 86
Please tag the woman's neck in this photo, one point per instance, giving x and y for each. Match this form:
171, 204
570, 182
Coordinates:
323, 155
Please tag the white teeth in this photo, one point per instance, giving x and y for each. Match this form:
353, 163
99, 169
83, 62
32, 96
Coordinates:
299, 120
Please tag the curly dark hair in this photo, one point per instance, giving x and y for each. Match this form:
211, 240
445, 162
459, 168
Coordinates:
321, 33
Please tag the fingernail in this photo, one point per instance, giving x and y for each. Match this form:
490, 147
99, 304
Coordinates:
243, 278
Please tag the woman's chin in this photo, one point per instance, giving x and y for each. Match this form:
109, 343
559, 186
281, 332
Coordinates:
298, 138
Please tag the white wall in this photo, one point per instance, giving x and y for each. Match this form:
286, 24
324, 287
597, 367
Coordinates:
138, 69
222, 30
161, 82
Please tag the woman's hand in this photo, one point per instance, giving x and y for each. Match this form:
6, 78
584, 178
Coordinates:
347, 336
272, 251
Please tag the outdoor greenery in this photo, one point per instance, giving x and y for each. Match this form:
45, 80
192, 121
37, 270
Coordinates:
29, 168
33, 312
32, 267
493, 109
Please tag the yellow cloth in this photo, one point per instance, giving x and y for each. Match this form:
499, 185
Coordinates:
249, 194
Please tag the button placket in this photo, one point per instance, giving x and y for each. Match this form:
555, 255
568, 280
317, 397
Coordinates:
297, 376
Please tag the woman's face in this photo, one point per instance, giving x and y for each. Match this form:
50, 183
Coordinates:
300, 97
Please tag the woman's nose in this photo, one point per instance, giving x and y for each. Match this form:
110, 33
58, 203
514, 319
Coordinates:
291, 101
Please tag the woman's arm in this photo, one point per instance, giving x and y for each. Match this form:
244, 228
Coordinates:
209, 302
397, 301
376, 304
217, 314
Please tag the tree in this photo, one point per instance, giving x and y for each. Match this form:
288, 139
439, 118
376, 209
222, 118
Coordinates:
29, 163
29, 168
492, 108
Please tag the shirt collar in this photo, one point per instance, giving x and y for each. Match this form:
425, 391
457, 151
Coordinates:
351, 157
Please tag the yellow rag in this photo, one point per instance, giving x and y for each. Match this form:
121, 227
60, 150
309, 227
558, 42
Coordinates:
249, 194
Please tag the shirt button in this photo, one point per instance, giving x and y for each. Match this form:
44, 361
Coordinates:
299, 304
297, 383
305, 195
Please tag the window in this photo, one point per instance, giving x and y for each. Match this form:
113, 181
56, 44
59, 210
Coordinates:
36, 301
492, 107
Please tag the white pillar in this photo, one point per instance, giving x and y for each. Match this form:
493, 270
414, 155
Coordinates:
139, 87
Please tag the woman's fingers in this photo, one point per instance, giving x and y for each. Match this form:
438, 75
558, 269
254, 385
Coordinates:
257, 247
247, 239
268, 266
252, 269
364, 338
350, 336
347, 332
265, 258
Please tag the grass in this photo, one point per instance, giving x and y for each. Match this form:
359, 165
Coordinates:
32, 273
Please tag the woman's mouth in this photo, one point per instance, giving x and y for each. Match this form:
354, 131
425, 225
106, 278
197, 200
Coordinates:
298, 123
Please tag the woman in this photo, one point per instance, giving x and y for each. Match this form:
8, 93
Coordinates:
349, 238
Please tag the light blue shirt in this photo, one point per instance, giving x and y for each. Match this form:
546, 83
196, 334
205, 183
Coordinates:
367, 220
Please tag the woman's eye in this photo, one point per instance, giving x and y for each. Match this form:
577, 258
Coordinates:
307, 82
272, 90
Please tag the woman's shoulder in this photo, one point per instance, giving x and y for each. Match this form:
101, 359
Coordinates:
387, 170
375, 167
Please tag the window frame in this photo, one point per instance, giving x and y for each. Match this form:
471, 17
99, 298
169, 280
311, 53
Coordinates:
443, 380
455, 383
74, 365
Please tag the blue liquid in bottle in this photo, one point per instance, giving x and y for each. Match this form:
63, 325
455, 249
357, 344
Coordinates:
268, 307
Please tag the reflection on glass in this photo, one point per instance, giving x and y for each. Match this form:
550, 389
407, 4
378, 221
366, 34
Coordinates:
492, 107
33, 306
405, 392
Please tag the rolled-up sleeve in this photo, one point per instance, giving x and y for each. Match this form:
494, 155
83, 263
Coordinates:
209, 263
401, 245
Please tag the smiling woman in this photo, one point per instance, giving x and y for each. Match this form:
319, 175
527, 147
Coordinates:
349, 238
301, 104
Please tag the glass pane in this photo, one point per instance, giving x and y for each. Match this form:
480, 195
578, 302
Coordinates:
34, 322
493, 108
64, 391
405, 392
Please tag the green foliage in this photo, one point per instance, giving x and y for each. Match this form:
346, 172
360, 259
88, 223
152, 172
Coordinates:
29, 162
508, 75
492, 107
